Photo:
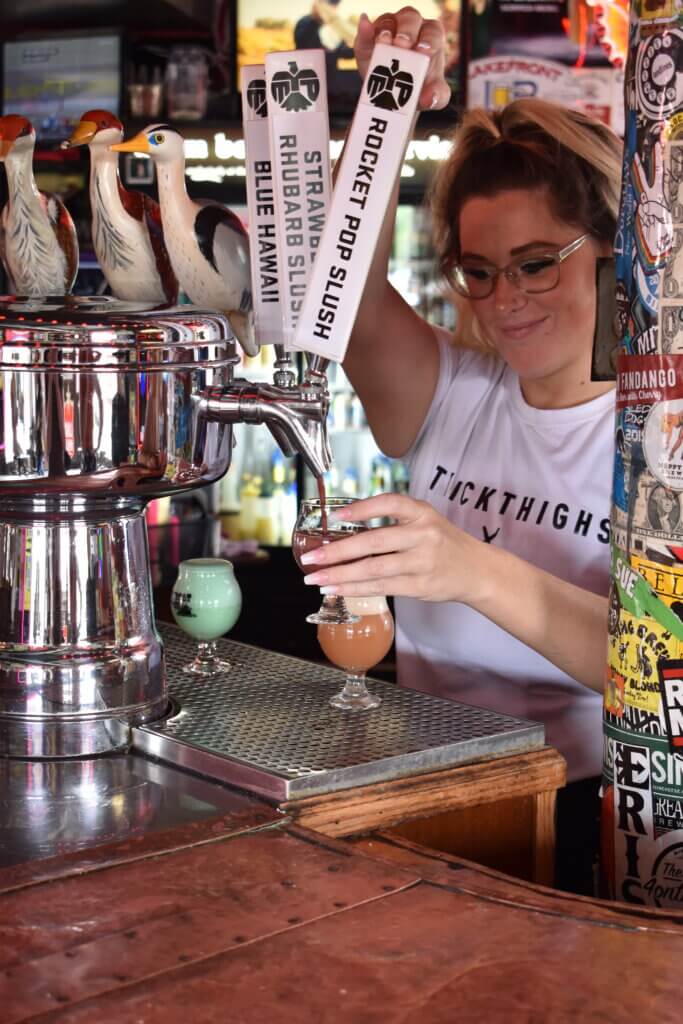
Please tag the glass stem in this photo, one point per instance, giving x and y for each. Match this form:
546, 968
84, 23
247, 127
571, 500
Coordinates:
206, 651
354, 685
334, 603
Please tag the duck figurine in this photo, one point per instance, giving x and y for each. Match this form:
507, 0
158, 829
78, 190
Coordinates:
207, 242
127, 233
38, 243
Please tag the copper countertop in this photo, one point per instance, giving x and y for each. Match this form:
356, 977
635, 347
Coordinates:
232, 920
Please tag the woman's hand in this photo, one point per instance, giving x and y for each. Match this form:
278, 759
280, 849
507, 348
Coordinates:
426, 556
409, 30
423, 555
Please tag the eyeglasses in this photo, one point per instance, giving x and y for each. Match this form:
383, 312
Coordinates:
531, 274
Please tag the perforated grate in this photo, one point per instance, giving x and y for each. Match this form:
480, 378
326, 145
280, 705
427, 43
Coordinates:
267, 726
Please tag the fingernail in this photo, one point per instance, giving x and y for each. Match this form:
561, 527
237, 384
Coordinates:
328, 590
385, 36
314, 578
402, 36
424, 46
308, 556
435, 100
363, 17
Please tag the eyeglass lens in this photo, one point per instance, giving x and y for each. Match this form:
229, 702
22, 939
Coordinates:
537, 274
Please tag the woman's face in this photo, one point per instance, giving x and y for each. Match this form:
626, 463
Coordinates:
543, 335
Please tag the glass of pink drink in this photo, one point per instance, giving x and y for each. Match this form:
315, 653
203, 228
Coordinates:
356, 647
314, 527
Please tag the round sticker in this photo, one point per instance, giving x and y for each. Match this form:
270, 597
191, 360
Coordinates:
663, 443
657, 74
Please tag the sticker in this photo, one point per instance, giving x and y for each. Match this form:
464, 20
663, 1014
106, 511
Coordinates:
660, 11
659, 89
673, 273
673, 182
654, 232
671, 325
493, 82
633, 661
665, 580
638, 598
614, 692
655, 518
663, 448
671, 684
674, 127
648, 379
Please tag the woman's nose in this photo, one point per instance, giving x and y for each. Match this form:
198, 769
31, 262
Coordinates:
506, 294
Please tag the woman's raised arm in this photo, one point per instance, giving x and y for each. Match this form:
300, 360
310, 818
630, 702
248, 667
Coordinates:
392, 359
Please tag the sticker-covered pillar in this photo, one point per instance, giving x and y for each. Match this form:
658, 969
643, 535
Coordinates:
642, 819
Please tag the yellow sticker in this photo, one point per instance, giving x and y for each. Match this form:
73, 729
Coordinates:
674, 126
665, 580
633, 652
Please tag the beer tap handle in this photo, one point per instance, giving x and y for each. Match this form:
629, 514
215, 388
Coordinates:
373, 156
284, 375
317, 368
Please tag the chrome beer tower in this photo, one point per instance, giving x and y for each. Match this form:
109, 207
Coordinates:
103, 407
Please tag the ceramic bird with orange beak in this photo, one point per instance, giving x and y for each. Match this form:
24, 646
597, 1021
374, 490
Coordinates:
39, 247
207, 242
127, 232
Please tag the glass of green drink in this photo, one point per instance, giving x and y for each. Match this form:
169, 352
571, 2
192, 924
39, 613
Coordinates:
206, 602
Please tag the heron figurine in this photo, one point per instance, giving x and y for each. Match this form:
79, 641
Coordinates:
38, 243
127, 231
207, 242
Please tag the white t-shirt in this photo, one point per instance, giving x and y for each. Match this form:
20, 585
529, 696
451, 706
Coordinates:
536, 482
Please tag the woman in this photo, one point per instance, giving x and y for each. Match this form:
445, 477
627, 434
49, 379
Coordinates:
502, 550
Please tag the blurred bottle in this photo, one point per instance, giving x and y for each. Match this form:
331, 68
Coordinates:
249, 495
339, 410
187, 83
349, 484
380, 475
278, 475
332, 481
288, 513
267, 529
400, 479
357, 419
229, 505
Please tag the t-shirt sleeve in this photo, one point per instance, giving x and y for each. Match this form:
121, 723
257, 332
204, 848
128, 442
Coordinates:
450, 359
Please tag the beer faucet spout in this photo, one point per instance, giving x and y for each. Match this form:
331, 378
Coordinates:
296, 415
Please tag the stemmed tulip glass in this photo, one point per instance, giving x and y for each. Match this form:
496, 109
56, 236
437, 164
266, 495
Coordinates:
314, 527
356, 647
206, 602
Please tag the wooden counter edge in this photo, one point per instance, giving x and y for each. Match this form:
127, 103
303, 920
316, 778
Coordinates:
348, 812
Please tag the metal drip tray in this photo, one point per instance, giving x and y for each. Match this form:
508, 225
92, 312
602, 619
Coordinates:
267, 727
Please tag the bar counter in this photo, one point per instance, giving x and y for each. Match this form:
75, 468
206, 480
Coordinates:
237, 913
146, 886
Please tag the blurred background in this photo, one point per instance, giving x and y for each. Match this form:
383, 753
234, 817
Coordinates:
178, 61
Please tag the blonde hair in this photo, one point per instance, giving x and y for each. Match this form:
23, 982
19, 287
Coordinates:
529, 144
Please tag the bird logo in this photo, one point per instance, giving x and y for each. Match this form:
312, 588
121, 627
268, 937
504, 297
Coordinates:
296, 89
257, 97
389, 88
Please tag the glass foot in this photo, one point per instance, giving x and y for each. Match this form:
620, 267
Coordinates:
207, 662
364, 703
332, 612
355, 696
207, 667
